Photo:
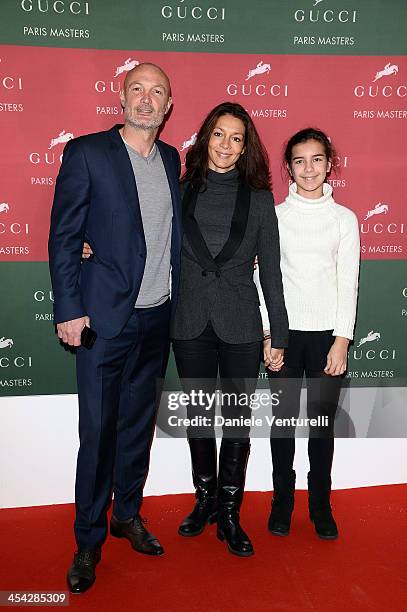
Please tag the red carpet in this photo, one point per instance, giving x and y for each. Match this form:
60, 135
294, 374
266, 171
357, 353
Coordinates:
365, 569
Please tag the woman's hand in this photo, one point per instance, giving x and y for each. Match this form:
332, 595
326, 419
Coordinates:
86, 251
337, 358
273, 357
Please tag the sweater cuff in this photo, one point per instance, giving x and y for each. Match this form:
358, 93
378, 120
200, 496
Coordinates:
344, 331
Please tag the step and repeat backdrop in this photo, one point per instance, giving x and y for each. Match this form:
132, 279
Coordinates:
339, 65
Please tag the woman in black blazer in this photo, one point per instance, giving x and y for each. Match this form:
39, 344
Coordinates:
229, 219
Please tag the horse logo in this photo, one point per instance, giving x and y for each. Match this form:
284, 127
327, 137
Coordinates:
129, 64
60, 139
377, 210
369, 338
189, 143
260, 69
4, 207
6, 342
388, 69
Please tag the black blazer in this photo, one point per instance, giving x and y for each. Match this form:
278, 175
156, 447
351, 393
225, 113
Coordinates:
221, 289
96, 200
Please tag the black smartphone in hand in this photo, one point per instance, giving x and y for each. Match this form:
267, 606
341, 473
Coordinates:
88, 337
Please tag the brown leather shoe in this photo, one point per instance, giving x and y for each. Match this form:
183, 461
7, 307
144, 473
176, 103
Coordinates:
133, 530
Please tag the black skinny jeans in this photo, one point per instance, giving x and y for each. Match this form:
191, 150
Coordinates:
198, 362
322, 400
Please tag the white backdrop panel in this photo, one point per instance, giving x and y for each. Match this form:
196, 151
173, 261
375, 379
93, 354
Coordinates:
38, 446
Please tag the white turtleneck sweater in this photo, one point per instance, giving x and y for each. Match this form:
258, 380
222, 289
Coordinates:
320, 251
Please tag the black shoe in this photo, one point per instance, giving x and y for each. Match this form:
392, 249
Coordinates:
282, 506
81, 575
133, 530
203, 458
320, 511
232, 471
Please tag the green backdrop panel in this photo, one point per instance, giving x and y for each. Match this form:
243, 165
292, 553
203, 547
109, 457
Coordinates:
32, 361
361, 27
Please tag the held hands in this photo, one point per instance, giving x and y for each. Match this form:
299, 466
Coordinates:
273, 357
70, 331
336, 361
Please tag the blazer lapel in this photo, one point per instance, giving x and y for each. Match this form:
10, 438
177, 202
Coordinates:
238, 225
123, 171
237, 229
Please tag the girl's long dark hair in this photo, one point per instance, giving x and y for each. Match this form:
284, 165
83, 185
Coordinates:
253, 165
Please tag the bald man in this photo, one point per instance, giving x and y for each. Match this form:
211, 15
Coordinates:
118, 191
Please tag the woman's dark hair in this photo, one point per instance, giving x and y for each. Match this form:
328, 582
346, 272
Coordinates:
253, 165
304, 136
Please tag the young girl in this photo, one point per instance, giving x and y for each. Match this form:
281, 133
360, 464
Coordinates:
319, 262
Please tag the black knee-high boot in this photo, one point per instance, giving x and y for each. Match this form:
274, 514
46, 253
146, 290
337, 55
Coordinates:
203, 457
233, 459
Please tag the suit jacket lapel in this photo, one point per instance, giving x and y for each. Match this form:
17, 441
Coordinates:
123, 171
237, 229
238, 225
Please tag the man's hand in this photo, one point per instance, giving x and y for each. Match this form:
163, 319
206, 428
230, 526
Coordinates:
336, 361
70, 331
273, 357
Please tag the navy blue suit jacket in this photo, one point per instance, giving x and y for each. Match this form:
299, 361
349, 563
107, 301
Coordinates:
96, 200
